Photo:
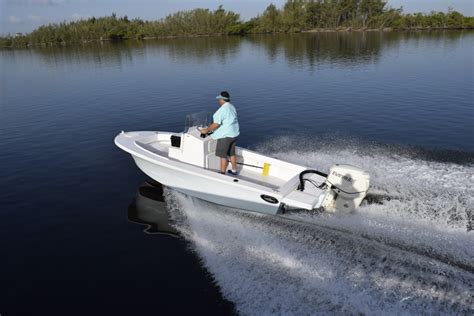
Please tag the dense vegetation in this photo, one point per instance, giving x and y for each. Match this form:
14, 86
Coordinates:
300, 15
295, 16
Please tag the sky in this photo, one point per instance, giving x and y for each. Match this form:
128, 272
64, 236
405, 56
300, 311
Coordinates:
25, 15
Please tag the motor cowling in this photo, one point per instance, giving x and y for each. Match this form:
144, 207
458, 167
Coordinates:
350, 185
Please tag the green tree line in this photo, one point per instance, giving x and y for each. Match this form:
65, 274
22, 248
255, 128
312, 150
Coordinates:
294, 16
303, 15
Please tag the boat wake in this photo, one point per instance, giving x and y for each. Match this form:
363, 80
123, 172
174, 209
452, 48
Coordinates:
408, 250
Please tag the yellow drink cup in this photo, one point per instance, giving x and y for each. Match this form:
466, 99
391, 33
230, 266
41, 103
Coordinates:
266, 169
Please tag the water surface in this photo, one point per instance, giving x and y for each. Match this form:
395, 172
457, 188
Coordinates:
399, 104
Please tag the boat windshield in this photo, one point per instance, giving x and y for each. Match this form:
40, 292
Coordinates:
199, 119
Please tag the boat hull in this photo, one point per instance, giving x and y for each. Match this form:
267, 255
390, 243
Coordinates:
187, 163
226, 192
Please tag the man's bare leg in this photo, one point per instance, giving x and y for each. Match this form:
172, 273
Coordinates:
233, 161
224, 163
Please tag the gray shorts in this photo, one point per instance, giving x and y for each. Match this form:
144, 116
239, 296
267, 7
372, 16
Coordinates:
225, 147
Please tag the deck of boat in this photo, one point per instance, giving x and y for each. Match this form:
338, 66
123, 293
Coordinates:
250, 174
247, 174
159, 147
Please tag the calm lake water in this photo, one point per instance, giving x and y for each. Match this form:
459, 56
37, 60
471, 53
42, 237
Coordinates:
67, 193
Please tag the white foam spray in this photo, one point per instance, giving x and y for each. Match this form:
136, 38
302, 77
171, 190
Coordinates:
410, 254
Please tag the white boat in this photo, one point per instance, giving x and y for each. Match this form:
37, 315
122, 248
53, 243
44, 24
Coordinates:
187, 163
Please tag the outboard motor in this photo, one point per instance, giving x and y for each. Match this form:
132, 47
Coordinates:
347, 186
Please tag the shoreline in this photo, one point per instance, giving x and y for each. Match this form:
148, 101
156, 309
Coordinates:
384, 29
318, 30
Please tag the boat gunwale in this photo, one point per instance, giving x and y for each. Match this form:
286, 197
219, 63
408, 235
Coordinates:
122, 139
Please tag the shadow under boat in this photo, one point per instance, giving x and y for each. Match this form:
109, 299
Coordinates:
149, 209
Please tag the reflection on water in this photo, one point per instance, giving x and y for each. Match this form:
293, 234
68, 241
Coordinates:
199, 49
98, 55
297, 49
192, 50
149, 209
344, 48
312, 49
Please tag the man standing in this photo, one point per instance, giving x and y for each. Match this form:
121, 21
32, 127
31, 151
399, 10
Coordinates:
225, 128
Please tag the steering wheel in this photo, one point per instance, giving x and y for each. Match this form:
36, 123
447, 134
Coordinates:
202, 134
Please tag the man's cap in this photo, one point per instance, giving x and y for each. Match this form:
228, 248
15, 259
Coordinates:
224, 95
